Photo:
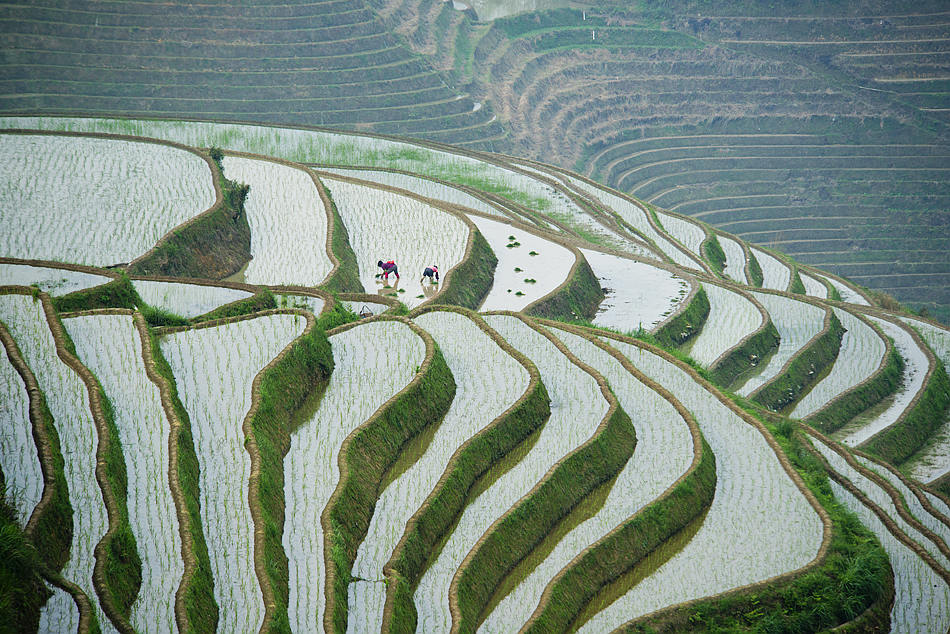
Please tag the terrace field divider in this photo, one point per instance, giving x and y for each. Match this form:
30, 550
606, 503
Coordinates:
753, 270
371, 458
893, 493
265, 551
189, 528
780, 455
108, 443
738, 359
344, 276
923, 414
51, 264
882, 383
50, 525
455, 211
577, 297
891, 525
446, 502
679, 328
609, 448
769, 392
628, 538
87, 615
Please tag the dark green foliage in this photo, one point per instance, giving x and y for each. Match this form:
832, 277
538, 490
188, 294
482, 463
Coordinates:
796, 286
686, 324
368, 454
346, 277
899, 441
119, 293
803, 370
526, 525
200, 605
854, 576
161, 317
851, 403
469, 282
713, 253
301, 373
263, 300
755, 271
339, 315
622, 549
22, 591
746, 356
447, 502
214, 245
578, 298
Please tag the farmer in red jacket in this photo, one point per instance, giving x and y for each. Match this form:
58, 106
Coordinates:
388, 267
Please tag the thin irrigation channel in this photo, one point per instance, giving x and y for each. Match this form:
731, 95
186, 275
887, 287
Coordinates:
732, 317
520, 277
19, 458
916, 364
489, 381
54, 281
859, 357
797, 323
95, 201
760, 524
110, 346
372, 363
186, 300
214, 368
288, 222
577, 409
665, 450
775, 273
68, 401
638, 294
383, 225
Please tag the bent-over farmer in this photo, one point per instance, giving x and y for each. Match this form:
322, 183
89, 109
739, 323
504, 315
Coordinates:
432, 272
388, 267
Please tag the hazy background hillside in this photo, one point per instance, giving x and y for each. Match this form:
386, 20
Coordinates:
820, 129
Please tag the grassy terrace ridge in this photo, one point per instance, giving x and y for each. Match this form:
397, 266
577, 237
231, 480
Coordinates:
515, 534
573, 589
438, 513
365, 457
576, 298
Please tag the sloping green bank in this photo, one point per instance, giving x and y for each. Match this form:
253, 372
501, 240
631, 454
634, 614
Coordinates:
119, 293
713, 253
685, 325
804, 369
576, 299
574, 588
795, 286
445, 504
850, 584
899, 441
195, 607
22, 592
365, 458
469, 282
345, 277
754, 269
849, 404
262, 300
283, 387
744, 357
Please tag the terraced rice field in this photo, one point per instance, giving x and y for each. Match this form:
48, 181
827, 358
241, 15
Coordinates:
732, 317
48, 279
186, 300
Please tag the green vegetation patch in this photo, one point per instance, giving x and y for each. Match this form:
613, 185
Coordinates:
22, 591
346, 276
607, 560
754, 270
469, 282
285, 386
743, 358
796, 286
713, 253
119, 293
849, 404
201, 609
262, 300
899, 441
525, 526
803, 370
365, 458
852, 584
435, 519
686, 324
577, 298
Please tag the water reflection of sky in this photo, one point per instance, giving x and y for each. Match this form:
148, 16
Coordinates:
488, 10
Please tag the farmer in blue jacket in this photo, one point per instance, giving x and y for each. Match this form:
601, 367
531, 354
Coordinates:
432, 272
